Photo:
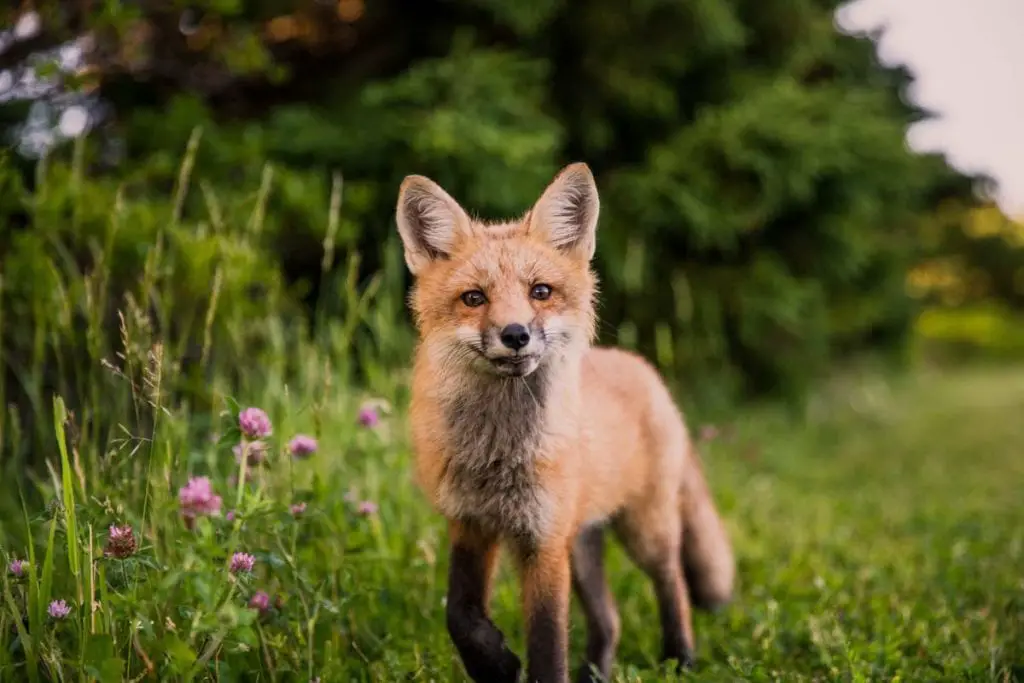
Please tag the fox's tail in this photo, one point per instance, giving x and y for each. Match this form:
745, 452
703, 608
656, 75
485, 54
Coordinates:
708, 561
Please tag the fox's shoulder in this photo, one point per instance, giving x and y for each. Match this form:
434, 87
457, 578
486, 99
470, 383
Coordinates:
625, 397
618, 369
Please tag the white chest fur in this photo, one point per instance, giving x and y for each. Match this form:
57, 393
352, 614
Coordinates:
495, 434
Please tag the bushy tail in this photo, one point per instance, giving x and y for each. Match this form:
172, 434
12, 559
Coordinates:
708, 561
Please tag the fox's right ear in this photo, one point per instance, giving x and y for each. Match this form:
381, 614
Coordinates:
429, 221
566, 213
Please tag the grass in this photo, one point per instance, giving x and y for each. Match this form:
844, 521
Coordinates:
881, 538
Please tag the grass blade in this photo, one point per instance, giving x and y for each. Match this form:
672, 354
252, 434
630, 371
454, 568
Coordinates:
46, 587
31, 659
67, 486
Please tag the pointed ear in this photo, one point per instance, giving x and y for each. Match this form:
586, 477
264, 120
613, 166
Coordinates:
566, 214
429, 221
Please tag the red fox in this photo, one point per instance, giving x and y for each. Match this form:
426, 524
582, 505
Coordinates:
527, 436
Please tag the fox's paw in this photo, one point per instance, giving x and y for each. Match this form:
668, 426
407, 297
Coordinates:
682, 659
503, 667
588, 673
508, 667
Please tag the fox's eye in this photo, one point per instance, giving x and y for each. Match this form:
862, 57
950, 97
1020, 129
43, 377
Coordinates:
474, 298
541, 292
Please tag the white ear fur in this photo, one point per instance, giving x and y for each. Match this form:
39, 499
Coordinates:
566, 214
429, 221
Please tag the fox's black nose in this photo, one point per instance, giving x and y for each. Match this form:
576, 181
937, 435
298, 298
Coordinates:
515, 336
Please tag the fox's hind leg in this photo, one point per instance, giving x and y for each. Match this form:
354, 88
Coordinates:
591, 586
652, 535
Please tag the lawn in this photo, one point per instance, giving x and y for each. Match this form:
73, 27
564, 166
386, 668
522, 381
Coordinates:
879, 538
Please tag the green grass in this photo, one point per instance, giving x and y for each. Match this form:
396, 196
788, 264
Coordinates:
880, 538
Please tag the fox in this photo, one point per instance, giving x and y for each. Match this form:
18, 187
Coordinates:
530, 438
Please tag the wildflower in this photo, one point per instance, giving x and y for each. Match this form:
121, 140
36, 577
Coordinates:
17, 567
254, 423
230, 516
120, 542
58, 609
368, 416
197, 498
242, 562
256, 452
298, 509
708, 433
367, 507
302, 446
260, 601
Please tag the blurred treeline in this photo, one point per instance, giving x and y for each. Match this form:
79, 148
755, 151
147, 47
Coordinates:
761, 211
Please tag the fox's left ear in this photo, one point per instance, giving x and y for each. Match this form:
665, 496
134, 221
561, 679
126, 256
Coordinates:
430, 222
566, 214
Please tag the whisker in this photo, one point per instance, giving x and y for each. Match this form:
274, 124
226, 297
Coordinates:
530, 392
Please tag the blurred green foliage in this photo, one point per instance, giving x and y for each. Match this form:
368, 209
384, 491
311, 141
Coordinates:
984, 330
970, 279
760, 208
107, 279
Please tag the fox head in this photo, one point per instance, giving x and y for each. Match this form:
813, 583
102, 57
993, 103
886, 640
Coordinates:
502, 299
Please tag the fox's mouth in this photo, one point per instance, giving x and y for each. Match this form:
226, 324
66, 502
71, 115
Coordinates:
515, 366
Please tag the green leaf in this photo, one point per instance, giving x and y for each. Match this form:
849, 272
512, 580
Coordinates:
179, 654
233, 407
99, 649
100, 662
247, 635
107, 671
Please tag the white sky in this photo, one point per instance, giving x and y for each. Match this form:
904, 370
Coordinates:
968, 59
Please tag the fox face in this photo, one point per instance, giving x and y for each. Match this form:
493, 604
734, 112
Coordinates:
502, 299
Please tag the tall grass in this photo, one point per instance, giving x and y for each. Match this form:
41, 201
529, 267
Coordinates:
122, 433
115, 349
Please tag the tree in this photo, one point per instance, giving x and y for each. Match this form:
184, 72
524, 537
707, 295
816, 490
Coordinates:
759, 204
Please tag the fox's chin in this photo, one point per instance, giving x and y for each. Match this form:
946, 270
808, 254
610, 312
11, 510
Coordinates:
517, 366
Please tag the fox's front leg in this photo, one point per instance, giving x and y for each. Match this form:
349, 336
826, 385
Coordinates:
546, 577
480, 644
